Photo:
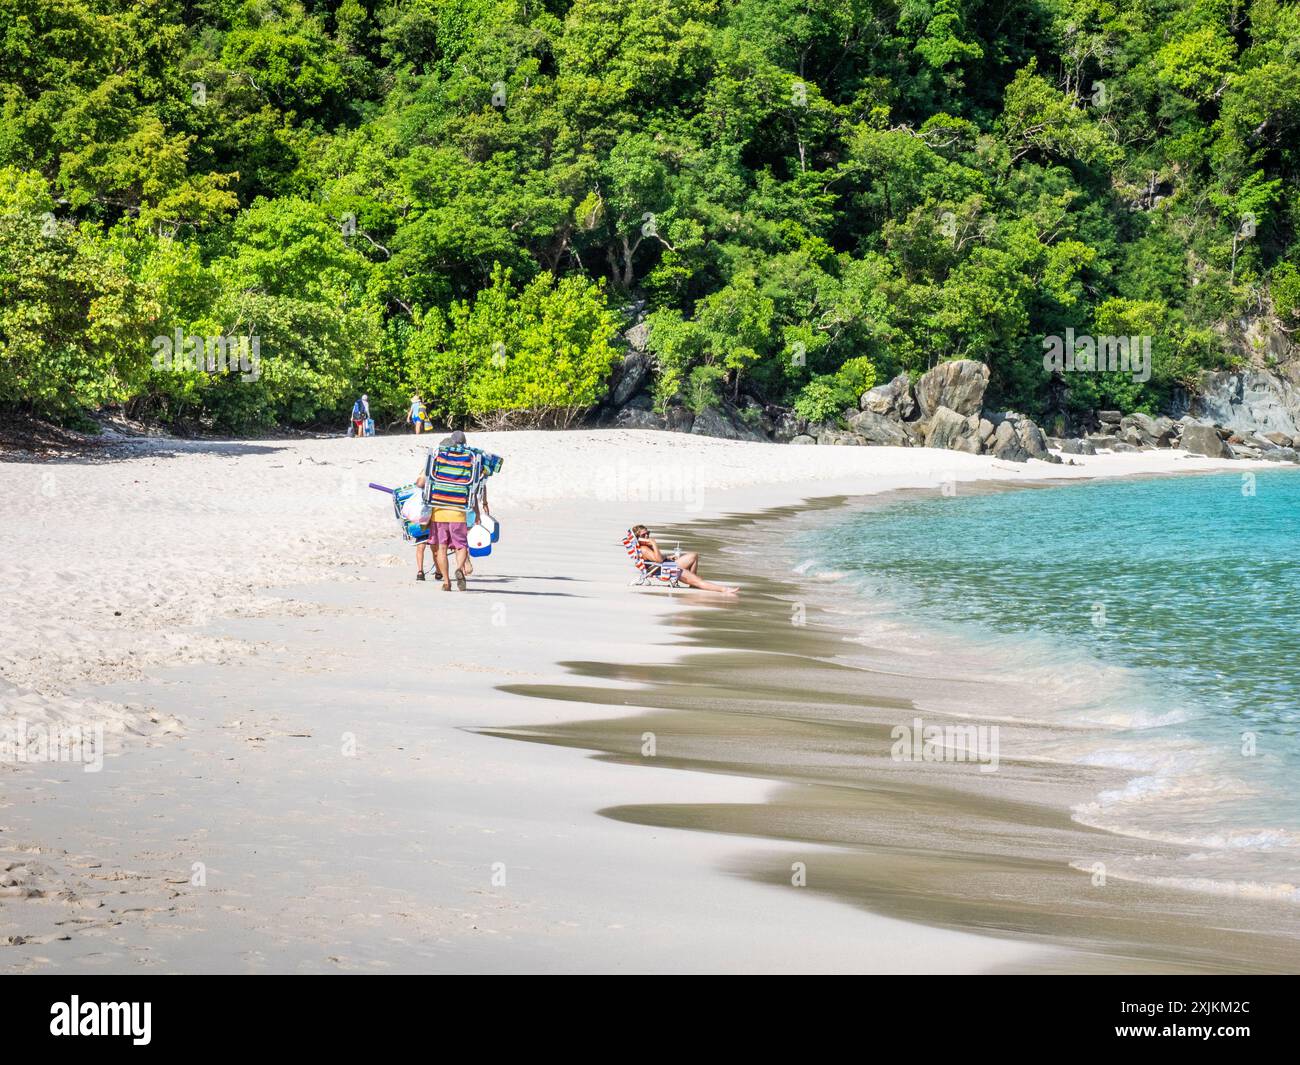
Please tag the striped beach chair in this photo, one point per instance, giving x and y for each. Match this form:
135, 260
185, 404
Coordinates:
650, 574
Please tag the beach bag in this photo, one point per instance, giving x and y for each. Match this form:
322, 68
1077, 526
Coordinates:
370, 427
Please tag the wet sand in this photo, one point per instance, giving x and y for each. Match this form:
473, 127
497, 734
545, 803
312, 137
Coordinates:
938, 843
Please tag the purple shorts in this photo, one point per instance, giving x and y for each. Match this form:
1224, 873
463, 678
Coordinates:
450, 534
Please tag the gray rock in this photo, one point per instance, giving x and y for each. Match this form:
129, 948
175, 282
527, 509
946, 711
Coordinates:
958, 385
894, 400
1154, 432
1112, 417
1205, 440
916, 430
803, 439
712, 422
985, 431
679, 419
725, 422
1122, 447
1071, 446
1006, 443
628, 378
638, 336
877, 429
1279, 439
839, 436
632, 418
1103, 440
788, 425
950, 430
1281, 454
1033, 441
1254, 401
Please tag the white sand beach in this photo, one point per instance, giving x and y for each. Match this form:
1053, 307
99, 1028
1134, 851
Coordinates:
293, 782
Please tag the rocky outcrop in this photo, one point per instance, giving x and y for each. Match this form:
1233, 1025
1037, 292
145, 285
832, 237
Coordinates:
629, 377
726, 422
635, 418
892, 400
1006, 443
956, 432
1254, 401
958, 385
875, 428
1198, 439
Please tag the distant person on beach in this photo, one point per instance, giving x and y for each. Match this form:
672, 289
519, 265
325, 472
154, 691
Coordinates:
417, 416
688, 562
360, 415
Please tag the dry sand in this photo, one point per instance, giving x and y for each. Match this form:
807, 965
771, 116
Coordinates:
299, 772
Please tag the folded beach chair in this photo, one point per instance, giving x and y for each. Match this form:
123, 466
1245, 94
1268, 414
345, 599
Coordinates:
650, 574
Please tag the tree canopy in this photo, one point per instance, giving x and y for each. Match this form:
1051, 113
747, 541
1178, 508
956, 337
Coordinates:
458, 196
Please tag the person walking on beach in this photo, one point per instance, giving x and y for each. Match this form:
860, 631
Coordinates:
688, 562
452, 466
417, 415
360, 415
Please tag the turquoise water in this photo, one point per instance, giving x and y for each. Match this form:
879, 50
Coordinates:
1168, 611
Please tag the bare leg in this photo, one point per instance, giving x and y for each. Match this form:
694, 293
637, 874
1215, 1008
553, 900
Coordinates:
442, 567
689, 560
693, 580
462, 560
419, 558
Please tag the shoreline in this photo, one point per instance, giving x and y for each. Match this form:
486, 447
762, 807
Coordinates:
275, 613
744, 673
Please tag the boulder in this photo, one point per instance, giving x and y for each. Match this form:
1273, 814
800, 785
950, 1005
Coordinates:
952, 431
635, 418
1072, 446
1255, 401
839, 436
638, 336
1205, 440
1109, 417
803, 439
1281, 454
726, 422
679, 419
787, 426
877, 429
1103, 440
1279, 439
893, 400
712, 422
1033, 441
628, 377
1142, 429
958, 385
1006, 444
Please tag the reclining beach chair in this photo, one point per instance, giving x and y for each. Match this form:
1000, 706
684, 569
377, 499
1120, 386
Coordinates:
650, 574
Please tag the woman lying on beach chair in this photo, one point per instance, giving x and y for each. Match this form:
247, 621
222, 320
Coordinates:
661, 566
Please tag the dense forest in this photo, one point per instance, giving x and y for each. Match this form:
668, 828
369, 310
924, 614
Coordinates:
466, 197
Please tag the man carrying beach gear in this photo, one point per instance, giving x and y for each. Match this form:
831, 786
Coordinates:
360, 416
455, 475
